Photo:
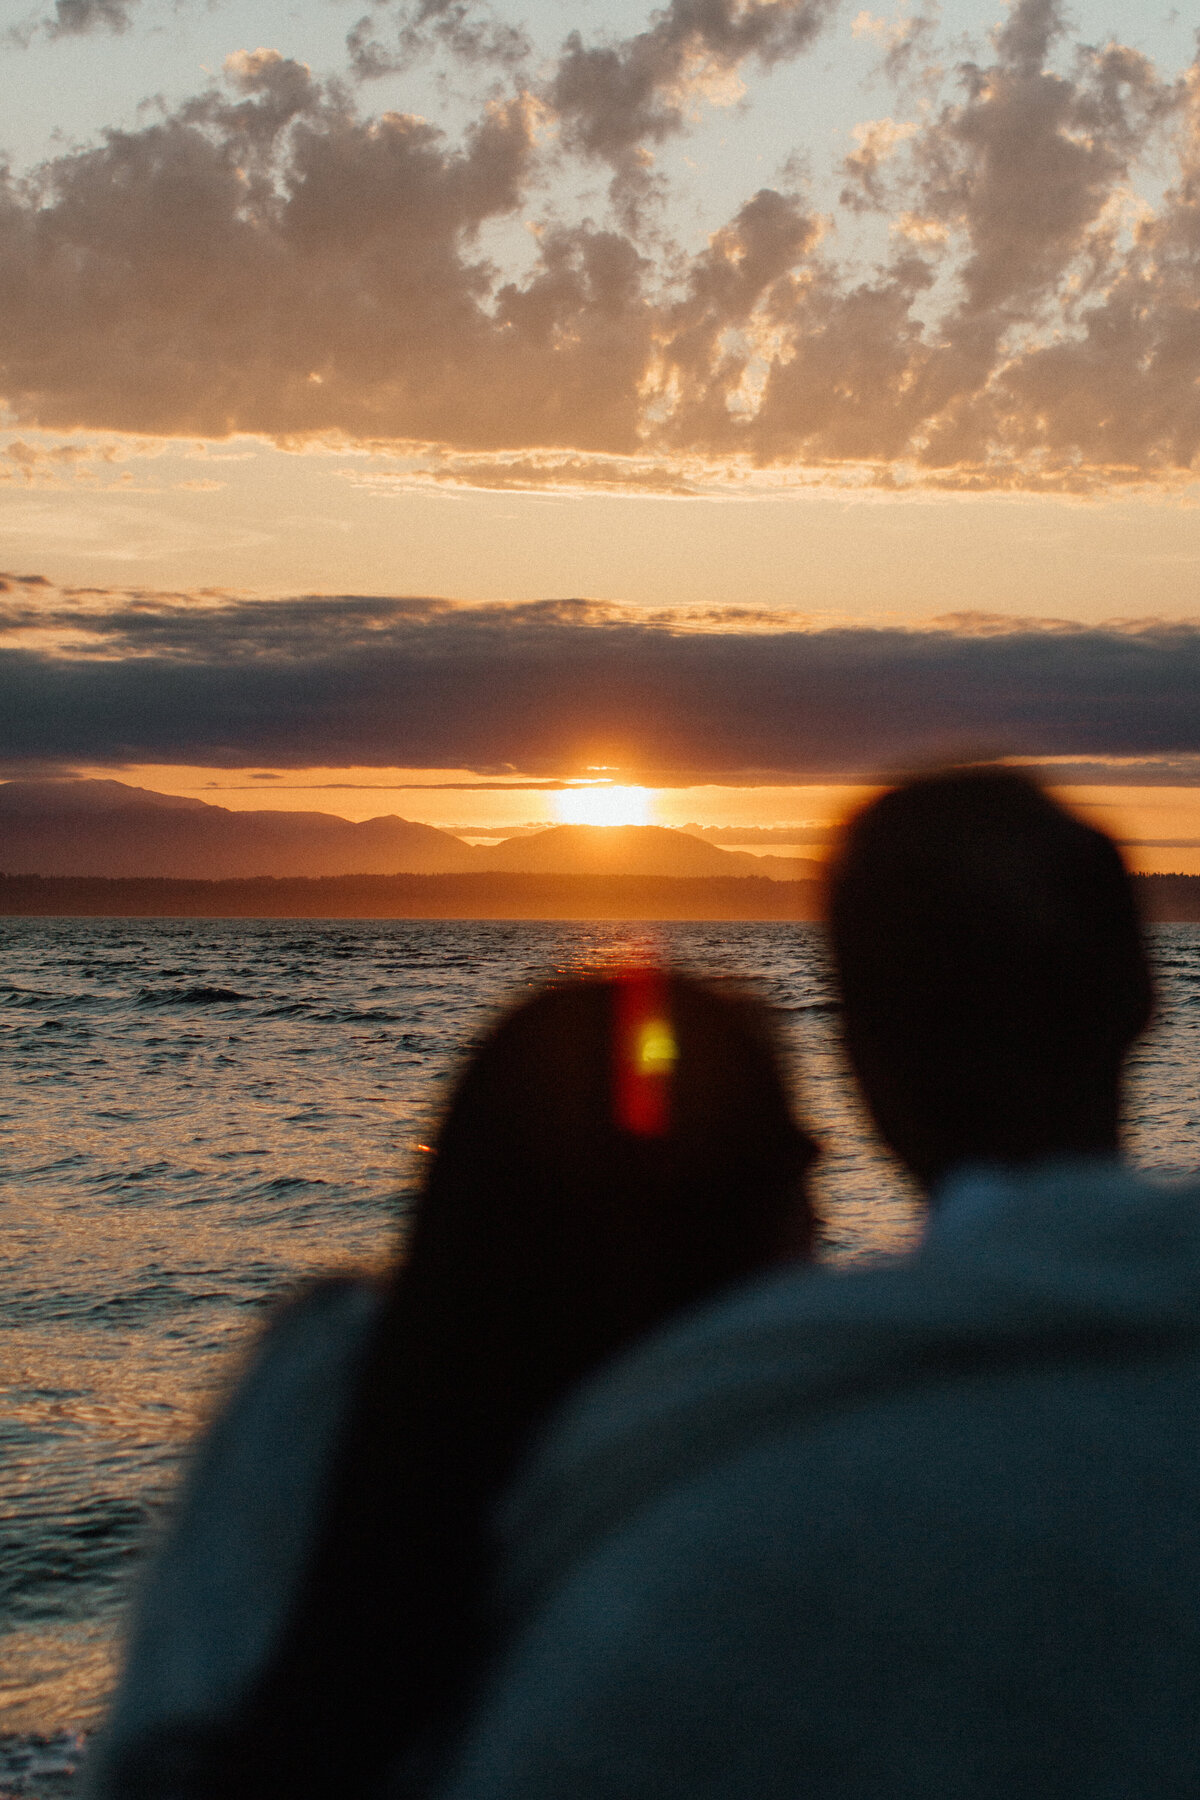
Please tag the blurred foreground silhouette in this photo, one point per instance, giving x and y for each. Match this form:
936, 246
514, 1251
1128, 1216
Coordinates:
616, 1151
927, 1528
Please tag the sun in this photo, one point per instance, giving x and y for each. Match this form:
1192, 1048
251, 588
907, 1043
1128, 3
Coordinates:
604, 805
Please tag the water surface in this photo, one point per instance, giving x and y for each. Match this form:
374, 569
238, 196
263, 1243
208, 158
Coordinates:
196, 1114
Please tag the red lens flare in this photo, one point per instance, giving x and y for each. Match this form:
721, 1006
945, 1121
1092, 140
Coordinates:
645, 1053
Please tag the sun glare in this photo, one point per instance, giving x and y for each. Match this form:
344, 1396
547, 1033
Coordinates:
604, 806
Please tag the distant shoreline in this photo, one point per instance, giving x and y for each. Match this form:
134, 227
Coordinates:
475, 896
1164, 898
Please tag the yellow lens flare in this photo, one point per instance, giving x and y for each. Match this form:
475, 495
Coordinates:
655, 1051
604, 805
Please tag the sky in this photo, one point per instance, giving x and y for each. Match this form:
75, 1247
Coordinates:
452, 409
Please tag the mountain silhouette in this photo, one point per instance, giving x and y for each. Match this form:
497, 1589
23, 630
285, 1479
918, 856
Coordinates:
634, 850
108, 828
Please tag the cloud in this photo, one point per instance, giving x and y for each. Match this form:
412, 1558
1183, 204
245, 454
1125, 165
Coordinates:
9, 582
550, 472
1006, 202
469, 33
265, 259
37, 465
73, 18
546, 689
75, 462
614, 100
874, 140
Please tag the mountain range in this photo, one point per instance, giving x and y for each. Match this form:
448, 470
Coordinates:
110, 829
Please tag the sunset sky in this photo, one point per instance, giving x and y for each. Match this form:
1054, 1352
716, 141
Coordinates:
431, 408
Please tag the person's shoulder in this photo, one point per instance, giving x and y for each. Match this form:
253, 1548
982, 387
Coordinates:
1037, 1269
323, 1324
690, 1398
258, 1472
1067, 1246
288, 1393
328, 1309
222, 1580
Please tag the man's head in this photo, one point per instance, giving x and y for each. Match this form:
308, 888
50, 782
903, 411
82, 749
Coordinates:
992, 970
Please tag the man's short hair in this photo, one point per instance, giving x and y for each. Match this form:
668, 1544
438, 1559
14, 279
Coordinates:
990, 951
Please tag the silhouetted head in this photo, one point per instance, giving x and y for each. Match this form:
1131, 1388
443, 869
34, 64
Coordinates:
992, 971
561, 1217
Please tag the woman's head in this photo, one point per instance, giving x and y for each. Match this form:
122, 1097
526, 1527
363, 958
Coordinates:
566, 1210
567, 1221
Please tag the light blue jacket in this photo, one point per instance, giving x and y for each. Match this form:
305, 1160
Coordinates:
220, 1591
928, 1531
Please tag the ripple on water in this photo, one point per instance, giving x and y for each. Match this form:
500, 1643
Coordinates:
189, 996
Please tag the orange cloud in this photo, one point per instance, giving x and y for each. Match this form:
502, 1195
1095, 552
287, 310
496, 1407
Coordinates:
267, 260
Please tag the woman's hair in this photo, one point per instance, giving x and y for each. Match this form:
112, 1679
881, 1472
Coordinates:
616, 1149
572, 1230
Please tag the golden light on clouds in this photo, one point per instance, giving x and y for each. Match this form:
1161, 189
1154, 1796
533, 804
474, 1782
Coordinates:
991, 294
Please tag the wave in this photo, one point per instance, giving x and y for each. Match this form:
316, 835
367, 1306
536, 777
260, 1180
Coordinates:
40, 1763
362, 1015
53, 1564
189, 996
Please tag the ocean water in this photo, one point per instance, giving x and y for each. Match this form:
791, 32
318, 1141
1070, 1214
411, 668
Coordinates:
194, 1115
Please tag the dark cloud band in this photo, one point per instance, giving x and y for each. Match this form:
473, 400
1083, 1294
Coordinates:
549, 689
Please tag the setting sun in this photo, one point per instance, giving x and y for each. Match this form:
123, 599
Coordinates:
604, 806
